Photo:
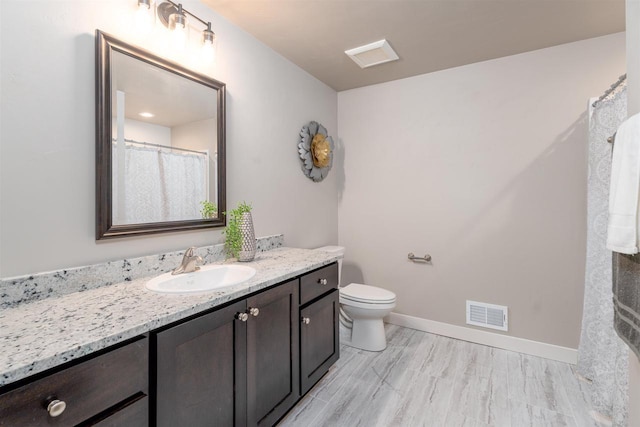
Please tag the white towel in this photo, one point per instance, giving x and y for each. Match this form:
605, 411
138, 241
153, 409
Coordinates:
622, 232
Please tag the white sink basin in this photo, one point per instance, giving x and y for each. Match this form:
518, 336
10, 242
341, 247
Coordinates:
208, 278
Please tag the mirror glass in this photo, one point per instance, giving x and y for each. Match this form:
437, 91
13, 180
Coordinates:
160, 144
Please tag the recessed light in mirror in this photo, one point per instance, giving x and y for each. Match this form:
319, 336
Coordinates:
147, 115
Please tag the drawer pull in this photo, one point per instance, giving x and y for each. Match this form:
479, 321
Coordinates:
254, 311
56, 407
306, 320
242, 317
323, 281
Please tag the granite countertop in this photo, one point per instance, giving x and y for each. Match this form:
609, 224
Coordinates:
39, 335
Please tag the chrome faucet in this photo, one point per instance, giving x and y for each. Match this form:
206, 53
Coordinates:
189, 262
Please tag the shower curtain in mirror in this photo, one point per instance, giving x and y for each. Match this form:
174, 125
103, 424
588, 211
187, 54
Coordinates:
602, 356
158, 185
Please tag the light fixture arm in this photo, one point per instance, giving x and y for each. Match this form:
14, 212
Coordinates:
177, 8
174, 17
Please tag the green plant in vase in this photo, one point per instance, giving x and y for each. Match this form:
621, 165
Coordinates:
209, 209
233, 233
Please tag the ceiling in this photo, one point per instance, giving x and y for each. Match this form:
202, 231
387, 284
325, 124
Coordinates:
428, 35
172, 99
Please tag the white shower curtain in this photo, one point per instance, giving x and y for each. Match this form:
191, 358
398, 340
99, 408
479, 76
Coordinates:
159, 185
602, 356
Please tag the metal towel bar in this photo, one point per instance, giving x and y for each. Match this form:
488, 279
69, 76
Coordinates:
412, 257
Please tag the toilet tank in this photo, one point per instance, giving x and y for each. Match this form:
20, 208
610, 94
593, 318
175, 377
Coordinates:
338, 250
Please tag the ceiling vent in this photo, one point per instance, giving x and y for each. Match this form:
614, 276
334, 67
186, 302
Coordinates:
372, 54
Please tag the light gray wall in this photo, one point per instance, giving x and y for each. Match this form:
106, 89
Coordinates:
483, 167
633, 107
146, 132
200, 135
47, 172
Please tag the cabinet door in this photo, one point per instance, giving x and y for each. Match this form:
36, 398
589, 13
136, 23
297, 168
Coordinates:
201, 371
273, 354
319, 339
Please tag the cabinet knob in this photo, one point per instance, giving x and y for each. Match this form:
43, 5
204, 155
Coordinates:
254, 311
323, 281
56, 407
242, 317
306, 320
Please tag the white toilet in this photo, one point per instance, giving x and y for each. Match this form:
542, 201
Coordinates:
362, 309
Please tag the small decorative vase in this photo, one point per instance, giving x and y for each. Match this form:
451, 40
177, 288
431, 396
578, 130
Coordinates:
248, 248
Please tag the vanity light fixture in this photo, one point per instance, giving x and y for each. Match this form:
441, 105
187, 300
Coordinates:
146, 114
174, 17
208, 36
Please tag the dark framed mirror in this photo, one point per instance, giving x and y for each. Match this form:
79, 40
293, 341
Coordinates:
160, 144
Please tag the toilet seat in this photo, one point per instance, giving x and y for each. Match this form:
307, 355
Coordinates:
368, 305
364, 294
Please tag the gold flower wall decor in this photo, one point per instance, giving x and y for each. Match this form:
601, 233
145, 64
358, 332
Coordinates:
316, 151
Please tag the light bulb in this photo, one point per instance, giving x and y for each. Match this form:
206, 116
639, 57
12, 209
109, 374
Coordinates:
179, 36
144, 17
179, 32
208, 51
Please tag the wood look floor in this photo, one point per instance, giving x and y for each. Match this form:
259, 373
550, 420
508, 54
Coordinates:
429, 380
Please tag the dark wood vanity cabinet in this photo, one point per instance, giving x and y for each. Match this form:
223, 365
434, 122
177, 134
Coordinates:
319, 339
273, 358
108, 389
244, 364
319, 324
201, 371
236, 366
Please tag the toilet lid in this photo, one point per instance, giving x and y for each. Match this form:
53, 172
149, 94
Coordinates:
365, 293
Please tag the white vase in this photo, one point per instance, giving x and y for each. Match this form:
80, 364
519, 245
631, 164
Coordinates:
248, 247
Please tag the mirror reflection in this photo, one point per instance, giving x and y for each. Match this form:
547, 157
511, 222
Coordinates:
164, 144
160, 144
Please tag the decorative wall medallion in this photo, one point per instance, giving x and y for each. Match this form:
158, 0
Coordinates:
316, 151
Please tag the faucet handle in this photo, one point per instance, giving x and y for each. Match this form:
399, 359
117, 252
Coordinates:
189, 251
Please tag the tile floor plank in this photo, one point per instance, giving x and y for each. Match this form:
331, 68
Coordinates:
532, 381
429, 380
304, 413
524, 415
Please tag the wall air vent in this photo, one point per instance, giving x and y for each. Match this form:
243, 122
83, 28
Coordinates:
372, 54
487, 315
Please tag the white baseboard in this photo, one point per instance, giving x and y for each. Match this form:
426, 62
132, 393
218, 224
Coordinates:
506, 342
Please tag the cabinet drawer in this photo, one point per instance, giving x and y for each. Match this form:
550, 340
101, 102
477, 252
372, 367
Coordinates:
134, 413
87, 388
318, 282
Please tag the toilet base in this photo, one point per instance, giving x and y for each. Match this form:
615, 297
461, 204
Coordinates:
368, 334
364, 334
345, 335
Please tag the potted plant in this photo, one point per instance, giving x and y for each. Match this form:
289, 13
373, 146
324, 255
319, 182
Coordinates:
240, 239
209, 209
